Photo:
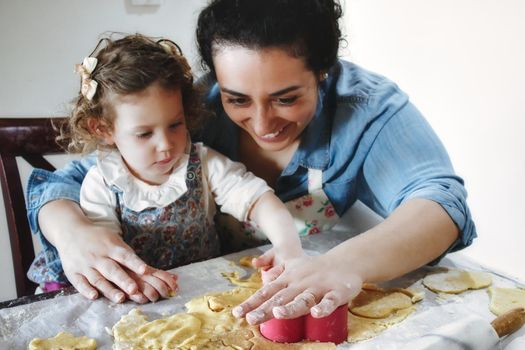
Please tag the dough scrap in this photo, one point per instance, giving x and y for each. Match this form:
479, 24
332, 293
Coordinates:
505, 299
246, 261
363, 328
375, 309
63, 341
457, 281
254, 281
208, 324
377, 304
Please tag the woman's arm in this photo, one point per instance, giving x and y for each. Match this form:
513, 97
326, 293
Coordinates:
407, 177
55, 216
417, 232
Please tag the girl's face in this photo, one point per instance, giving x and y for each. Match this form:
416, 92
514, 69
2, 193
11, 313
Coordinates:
271, 95
149, 131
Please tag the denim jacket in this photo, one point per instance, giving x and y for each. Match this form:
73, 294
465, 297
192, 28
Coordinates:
371, 143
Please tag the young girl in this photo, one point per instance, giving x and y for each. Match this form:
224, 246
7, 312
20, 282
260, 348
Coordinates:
150, 182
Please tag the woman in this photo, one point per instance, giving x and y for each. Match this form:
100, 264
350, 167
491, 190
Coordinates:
318, 130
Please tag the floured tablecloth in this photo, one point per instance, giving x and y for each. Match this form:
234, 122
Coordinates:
77, 315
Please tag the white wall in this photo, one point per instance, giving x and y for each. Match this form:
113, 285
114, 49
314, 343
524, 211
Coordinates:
463, 64
460, 61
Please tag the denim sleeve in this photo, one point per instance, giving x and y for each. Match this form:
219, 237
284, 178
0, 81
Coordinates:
45, 186
407, 160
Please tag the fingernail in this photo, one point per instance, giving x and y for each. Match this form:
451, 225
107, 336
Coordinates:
315, 311
254, 317
118, 297
279, 312
130, 289
92, 295
237, 311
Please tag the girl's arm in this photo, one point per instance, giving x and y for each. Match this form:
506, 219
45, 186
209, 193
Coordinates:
247, 197
274, 219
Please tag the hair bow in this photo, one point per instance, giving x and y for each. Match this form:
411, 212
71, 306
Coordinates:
88, 86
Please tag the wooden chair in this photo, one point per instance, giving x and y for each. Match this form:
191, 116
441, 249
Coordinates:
30, 139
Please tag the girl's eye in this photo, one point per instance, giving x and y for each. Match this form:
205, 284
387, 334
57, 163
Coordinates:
143, 135
287, 100
175, 125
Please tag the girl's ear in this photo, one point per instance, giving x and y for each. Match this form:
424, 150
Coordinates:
101, 130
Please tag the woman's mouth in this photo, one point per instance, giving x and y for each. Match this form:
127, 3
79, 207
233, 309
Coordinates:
272, 136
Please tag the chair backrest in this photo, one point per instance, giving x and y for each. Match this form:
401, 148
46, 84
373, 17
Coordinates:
29, 138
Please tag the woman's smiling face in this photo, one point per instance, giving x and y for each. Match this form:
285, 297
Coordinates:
271, 95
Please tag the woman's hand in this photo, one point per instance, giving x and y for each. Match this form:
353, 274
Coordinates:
95, 259
308, 284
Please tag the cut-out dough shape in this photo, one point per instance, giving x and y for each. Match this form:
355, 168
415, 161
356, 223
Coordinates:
375, 309
457, 281
505, 299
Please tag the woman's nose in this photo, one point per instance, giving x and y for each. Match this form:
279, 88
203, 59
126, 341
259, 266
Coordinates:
262, 120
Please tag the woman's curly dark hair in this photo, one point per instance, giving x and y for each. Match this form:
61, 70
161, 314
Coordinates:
307, 29
126, 66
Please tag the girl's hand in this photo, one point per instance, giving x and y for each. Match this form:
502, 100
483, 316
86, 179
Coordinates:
272, 264
94, 259
152, 286
315, 285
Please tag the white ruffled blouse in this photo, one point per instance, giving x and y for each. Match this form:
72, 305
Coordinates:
225, 182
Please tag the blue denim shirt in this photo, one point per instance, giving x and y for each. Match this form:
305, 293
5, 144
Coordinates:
369, 140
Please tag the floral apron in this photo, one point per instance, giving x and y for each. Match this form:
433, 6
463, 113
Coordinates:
177, 234
312, 213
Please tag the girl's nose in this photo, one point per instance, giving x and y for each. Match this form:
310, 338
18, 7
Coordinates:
165, 142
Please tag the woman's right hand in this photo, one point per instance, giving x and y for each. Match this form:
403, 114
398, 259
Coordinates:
95, 258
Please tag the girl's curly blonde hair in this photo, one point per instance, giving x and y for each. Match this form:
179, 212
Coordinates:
126, 66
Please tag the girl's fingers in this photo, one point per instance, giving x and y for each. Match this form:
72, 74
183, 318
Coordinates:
158, 285
271, 274
169, 279
264, 260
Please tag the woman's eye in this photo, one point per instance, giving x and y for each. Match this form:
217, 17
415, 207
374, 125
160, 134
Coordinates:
287, 100
238, 101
